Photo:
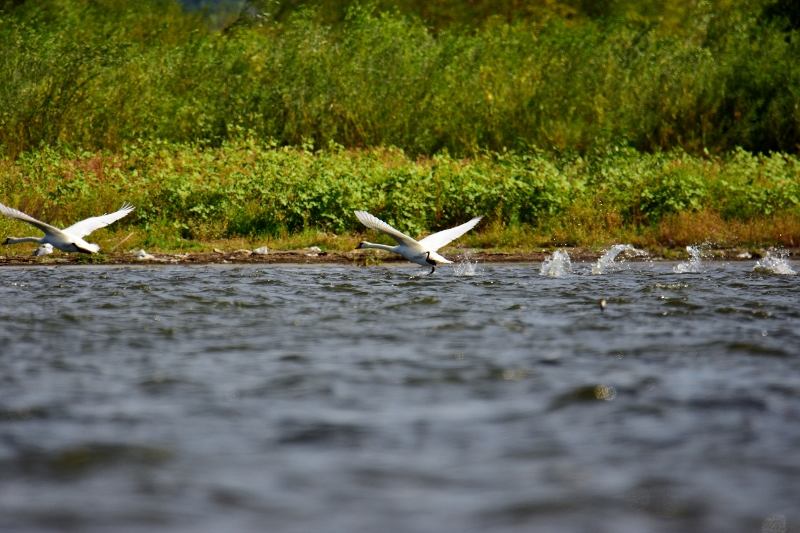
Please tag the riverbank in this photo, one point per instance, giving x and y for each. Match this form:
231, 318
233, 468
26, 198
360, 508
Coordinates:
245, 195
360, 257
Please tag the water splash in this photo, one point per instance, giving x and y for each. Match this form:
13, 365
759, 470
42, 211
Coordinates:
608, 258
774, 263
695, 263
556, 265
466, 268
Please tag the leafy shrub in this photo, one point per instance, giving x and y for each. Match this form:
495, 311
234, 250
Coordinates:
248, 188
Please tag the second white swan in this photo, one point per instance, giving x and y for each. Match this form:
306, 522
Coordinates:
421, 252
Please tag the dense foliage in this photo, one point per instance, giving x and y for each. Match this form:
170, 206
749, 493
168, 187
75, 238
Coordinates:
249, 189
102, 73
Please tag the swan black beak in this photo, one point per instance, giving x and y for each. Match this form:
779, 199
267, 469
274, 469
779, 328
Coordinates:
359, 245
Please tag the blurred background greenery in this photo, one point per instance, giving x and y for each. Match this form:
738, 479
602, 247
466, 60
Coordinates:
459, 76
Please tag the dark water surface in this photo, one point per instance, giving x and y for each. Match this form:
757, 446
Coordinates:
339, 399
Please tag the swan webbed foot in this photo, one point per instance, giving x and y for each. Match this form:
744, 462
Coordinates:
433, 269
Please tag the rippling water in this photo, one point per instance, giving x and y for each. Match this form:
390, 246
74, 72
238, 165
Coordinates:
340, 399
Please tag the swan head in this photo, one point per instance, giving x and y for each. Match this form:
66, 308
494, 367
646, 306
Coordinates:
361, 244
6, 241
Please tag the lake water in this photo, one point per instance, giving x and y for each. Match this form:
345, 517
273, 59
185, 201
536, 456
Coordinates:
343, 399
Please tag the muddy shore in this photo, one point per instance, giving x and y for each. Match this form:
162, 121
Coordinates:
355, 258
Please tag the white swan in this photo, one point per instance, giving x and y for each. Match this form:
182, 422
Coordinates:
422, 252
69, 239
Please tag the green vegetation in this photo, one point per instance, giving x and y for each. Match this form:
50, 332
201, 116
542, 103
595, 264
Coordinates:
250, 192
569, 122
670, 17
99, 74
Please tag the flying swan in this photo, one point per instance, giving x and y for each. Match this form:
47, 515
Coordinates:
69, 239
422, 252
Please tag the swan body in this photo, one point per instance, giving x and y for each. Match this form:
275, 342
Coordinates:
68, 239
421, 252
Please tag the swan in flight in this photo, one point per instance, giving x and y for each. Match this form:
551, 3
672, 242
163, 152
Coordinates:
422, 252
68, 239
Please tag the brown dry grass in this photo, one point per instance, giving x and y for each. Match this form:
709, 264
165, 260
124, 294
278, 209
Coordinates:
683, 229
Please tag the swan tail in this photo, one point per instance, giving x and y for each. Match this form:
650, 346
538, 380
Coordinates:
87, 248
433, 256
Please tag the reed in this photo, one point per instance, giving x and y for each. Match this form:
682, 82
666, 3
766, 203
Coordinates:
97, 75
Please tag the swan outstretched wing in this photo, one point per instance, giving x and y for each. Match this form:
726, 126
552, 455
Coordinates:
85, 227
437, 240
19, 215
377, 224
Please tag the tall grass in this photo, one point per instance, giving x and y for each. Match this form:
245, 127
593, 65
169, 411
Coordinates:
97, 75
251, 190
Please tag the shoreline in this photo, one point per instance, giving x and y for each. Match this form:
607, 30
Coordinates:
358, 258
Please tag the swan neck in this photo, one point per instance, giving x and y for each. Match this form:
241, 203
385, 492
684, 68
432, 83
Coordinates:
17, 240
377, 246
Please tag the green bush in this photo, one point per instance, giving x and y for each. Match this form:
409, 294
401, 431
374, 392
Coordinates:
248, 189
